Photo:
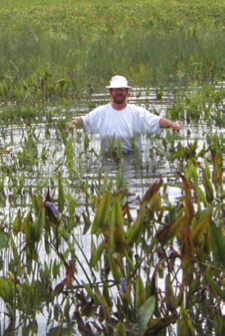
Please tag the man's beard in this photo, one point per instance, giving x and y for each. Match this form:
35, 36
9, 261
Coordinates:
119, 99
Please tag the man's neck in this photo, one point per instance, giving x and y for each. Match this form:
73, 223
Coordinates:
119, 107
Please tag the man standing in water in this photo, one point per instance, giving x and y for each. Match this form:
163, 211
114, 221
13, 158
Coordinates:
120, 121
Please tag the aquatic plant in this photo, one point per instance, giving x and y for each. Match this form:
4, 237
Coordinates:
82, 249
148, 270
63, 51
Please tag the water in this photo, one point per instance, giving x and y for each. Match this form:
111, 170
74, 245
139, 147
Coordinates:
139, 172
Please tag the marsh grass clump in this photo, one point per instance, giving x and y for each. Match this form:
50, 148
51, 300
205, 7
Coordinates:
62, 50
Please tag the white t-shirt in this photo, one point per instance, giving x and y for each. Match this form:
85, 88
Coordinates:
125, 125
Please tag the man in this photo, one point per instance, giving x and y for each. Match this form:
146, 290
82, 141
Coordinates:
121, 122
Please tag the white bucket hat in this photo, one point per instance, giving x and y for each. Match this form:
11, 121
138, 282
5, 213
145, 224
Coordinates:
117, 82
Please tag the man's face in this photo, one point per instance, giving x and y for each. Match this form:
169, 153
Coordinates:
119, 95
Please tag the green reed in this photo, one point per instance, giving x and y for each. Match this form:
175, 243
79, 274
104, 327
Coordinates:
59, 50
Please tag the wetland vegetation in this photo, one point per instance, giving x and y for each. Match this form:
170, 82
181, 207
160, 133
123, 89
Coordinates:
85, 251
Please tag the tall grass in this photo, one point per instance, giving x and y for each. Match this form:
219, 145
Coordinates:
82, 44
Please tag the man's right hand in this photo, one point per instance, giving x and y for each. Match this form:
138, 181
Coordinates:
77, 122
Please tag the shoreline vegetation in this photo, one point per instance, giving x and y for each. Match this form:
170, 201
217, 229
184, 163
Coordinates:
54, 50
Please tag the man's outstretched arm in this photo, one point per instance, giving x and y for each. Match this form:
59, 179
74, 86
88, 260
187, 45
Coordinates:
76, 122
166, 123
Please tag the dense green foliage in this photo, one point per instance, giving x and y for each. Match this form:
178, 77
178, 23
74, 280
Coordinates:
97, 259
51, 48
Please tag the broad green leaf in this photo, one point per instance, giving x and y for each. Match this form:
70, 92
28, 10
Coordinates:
64, 234
37, 203
96, 252
218, 244
129, 262
145, 312
192, 170
116, 237
40, 222
201, 226
155, 203
140, 295
201, 196
134, 230
7, 290
55, 269
169, 294
34, 229
117, 275
117, 213
102, 214
120, 330
3, 240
